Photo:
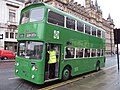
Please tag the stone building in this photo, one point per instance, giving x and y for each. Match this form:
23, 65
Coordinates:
9, 19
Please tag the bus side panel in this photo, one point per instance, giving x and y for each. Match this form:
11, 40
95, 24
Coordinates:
83, 65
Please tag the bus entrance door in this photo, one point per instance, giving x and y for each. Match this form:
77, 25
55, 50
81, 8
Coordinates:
52, 66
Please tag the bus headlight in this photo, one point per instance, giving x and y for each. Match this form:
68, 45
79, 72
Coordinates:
34, 68
17, 64
16, 71
33, 76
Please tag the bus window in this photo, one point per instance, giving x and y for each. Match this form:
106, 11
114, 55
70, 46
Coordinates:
70, 23
36, 14
102, 52
80, 26
55, 18
87, 53
98, 52
79, 52
24, 17
93, 52
93, 31
98, 33
69, 52
87, 29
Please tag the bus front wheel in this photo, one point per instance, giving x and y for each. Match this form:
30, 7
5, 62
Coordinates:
66, 73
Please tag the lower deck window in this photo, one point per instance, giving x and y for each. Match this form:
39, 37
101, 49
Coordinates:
79, 53
87, 53
69, 52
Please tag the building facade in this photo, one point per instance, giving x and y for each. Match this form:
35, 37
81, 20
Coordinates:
9, 19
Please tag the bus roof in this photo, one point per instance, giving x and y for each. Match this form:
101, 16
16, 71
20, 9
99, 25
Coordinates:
60, 12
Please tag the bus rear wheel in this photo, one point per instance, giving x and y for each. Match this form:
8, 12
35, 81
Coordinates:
66, 73
98, 66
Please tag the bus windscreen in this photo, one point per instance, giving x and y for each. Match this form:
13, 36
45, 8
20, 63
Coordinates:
36, 14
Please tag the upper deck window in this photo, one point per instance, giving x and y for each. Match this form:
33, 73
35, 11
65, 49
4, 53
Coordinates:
80, 26
93, 31
55, 18
98, 33
87, 29
70, 23
36, 14
24, 17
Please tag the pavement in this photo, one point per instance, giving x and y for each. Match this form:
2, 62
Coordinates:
106, 79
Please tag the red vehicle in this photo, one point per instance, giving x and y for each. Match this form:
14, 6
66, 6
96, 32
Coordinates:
7, 54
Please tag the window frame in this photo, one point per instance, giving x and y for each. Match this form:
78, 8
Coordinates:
56, 23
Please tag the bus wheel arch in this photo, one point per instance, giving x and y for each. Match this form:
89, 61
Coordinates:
97, 68
66, 72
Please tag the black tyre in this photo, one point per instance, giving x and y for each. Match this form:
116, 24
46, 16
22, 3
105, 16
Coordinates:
2, 58
5, 58
98, 66
66, 73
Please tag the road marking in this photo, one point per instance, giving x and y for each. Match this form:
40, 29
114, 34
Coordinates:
13, 78
109, 67
76, 79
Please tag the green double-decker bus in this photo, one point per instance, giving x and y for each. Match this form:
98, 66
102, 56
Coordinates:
80, 46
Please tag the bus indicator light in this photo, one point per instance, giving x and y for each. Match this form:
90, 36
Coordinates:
16, 71
33, 76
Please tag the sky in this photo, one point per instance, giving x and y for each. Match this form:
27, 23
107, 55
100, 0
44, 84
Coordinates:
108, 7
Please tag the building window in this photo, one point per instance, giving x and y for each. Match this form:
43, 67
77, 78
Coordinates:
6, 34
16, 35
11, 35
11, 15
103, 34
